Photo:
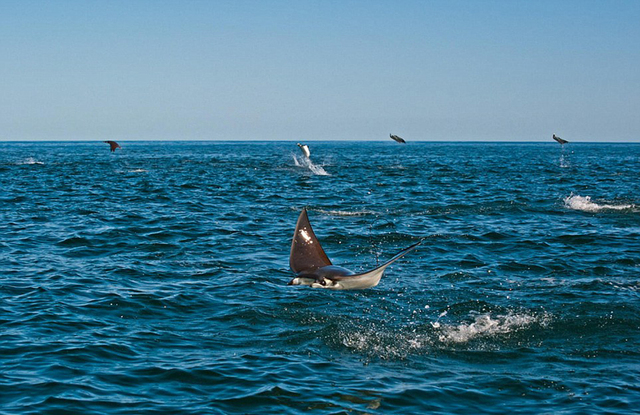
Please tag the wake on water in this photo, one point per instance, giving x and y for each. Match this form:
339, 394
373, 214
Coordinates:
584, 203
308, 164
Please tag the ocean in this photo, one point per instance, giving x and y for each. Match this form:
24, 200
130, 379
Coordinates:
153, 280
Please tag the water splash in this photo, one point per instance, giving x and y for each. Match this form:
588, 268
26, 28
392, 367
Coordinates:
584, 203
564, 158
378, 340
308, 164
485, 325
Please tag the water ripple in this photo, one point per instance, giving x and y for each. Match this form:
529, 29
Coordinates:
154, 280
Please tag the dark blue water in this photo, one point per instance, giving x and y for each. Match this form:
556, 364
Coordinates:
153, 280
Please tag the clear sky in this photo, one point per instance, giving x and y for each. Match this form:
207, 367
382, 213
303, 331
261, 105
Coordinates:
320, 70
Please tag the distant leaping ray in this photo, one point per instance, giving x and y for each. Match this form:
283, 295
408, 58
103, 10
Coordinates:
305, 150
113, 145
312, 265
559, 140
397, 139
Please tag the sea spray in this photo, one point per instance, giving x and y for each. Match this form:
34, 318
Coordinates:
585, 204
306, 162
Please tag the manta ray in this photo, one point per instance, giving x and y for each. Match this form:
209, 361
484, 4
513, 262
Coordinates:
397, 139
312, 266
113, 145
305, 150
559, 140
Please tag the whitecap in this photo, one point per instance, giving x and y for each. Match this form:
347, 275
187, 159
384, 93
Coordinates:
584, 203
346, 212
28, 161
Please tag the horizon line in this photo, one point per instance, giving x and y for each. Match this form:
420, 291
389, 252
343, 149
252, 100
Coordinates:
314, 141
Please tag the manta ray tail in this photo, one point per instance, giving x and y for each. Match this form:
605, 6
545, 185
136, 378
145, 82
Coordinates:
371, 278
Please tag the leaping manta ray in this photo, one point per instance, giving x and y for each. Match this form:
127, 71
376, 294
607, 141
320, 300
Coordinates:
559, 140
313, 267
113, 145
305, 150
397, 139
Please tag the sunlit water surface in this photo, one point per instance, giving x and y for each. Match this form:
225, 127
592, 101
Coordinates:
154, 279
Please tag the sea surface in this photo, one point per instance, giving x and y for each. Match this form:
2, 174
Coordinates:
153, 280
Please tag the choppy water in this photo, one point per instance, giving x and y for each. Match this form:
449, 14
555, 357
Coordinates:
153, 280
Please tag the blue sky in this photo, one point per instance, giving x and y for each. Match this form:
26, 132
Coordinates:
320, 70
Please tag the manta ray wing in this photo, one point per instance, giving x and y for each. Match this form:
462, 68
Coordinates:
559, 140
370, 278
307, 254
113, 145
305, 150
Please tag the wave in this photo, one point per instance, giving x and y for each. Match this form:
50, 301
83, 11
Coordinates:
584, 203
307, 163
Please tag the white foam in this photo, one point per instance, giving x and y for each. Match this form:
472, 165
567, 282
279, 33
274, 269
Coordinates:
584, 203
29, 160
307, 163
385, 342
137, 171
486, 325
